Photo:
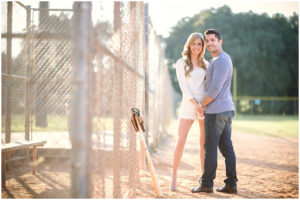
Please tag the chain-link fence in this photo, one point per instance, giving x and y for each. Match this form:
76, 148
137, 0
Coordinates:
261, 105
36, 85
130, 72
73, 81
51, 73
122, 57
14, 68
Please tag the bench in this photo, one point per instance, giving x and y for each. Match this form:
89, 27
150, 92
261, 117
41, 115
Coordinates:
9, 148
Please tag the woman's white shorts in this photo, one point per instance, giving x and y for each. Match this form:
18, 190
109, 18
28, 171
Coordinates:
187, 111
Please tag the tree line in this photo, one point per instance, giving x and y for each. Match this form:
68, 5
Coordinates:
264, 49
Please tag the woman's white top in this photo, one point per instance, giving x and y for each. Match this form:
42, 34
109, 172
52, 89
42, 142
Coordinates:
192, 86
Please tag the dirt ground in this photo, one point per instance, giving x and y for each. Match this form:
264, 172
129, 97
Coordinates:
267, 167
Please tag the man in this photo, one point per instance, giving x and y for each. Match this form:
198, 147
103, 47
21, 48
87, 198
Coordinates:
219, 109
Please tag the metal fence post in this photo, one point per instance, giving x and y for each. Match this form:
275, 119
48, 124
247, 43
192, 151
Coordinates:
117, 105
133, 170
28, 74
42, 98
9, 65
235, 90
146, 29
79, 112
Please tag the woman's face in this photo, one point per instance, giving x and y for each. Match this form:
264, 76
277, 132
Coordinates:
196, 47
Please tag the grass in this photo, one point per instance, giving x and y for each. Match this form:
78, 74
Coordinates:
54, 123
276, 126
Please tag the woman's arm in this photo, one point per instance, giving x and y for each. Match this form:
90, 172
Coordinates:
186, 90
182, 80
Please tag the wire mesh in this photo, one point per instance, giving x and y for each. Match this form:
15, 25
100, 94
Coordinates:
123, 67
51, 73
120, 86
120, 73
44, 93
36, 73
19, 19
266, 105
14, 74
3, 17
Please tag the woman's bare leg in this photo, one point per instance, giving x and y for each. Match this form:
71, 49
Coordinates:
183, 130
202, 141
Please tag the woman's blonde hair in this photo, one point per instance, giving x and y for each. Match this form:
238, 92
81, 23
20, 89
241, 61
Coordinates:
186, 53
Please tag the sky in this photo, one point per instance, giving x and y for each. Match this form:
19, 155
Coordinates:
165, 14
170, 12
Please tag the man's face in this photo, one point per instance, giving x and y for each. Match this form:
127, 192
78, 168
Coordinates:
212, 43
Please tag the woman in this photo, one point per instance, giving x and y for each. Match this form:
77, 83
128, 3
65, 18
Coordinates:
190, 71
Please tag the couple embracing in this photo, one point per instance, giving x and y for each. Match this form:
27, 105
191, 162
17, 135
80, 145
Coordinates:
207, 99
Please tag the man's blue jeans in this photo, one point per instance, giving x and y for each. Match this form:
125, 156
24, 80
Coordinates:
218, 134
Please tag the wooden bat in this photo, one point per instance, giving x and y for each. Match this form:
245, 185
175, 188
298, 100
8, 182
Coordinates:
138, 125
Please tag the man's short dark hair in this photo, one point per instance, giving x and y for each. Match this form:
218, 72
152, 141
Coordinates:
213, 31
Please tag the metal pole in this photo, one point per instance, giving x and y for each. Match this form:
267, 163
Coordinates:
42, 96
133, 171
159, 96
146, 29
78, 129
28, 74
43, 13
9, 65
271, 107
235, 89
90, 111
117, 105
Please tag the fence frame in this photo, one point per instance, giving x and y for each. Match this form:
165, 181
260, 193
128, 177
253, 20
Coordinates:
80, 136
82, 78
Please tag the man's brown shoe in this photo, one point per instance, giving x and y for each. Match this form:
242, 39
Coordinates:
202, 189
227, 189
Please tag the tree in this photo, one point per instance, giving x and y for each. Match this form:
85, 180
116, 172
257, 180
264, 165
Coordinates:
263, 49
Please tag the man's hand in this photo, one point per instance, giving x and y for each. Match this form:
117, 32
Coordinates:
200, 110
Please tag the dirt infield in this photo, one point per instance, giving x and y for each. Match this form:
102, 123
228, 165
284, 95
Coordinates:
267, 167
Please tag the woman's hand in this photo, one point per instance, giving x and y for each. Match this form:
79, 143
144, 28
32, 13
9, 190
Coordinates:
200, 110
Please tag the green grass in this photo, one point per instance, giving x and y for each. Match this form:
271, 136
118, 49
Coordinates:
277, 126
54, 122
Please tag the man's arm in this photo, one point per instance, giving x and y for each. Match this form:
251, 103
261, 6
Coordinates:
201, 107
206, 100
